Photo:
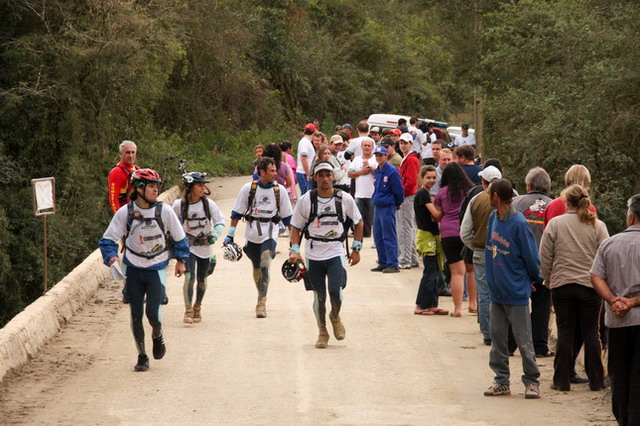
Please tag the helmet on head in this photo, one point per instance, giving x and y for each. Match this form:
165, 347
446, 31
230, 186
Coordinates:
293, 272
194, 177
232, 252
144, 176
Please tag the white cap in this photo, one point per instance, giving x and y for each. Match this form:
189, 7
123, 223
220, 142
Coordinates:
490, 173
323, 165
375, 129
406, 137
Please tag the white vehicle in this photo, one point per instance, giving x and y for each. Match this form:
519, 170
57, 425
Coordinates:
390, 121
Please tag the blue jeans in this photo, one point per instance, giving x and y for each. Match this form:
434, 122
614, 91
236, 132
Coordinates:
385, 236
484, 300
304, 184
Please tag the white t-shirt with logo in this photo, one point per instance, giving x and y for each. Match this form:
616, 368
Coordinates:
355, 146
470, 139
264, 205
305, 147
145, 236
364, 183
199, 225
324, 227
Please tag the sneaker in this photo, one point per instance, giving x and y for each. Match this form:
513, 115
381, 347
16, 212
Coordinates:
575, 379
390, 270
497, 389
197, 317
188, 316
143, 363
378, 269
560, 388
323, 338
159, 348
338, 328
532, 391
404, 267
415, 265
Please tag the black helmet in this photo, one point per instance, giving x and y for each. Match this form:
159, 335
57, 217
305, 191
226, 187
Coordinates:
194, 177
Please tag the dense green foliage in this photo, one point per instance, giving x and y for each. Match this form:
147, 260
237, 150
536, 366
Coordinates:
206, 80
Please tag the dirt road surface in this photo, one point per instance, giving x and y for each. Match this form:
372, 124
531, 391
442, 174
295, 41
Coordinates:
393, 367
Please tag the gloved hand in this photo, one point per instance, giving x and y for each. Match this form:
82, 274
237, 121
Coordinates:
227, 240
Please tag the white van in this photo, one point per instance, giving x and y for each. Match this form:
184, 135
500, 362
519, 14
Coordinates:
390, 121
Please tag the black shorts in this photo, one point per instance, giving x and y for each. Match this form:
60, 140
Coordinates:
452, 247
467, 255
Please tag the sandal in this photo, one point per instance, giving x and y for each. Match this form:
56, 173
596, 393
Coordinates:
428, 312
439, 311
456, 314
473, 311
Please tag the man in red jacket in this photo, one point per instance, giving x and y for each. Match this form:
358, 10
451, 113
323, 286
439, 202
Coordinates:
120, 176
406, 224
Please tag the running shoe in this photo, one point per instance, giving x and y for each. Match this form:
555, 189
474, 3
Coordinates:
405, 267
143, 363
532, 391
497, 389
159, 348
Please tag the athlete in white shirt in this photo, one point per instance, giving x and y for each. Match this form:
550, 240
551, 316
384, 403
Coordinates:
268, 205
203, 223
322, 216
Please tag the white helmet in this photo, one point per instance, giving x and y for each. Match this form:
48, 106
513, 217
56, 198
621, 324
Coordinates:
232, 252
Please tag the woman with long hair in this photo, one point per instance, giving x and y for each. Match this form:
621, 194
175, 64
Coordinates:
453, 187
568, 247
203, 223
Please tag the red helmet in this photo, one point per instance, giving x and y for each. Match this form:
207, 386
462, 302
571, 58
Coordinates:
143, 176
293, 272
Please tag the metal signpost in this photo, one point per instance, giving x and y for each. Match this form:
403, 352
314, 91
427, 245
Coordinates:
44, 204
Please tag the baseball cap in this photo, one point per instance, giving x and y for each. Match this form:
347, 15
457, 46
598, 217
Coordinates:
375, 129
347, 126
386, 142
397, 132
310, 126
490, 173
380, 150
465, 126
406, 137
336, 139
322, 165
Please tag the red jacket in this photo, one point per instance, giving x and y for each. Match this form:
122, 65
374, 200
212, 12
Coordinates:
120, 185
409, 169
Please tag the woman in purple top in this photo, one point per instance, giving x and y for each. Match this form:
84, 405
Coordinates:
453, 187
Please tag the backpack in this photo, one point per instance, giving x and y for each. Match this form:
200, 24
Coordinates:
157, 217
252, 195
313, 215
200, 240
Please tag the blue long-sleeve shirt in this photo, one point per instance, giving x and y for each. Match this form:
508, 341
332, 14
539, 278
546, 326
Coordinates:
512, 261
388, 189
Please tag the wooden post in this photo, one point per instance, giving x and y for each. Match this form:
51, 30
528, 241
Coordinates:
46, 261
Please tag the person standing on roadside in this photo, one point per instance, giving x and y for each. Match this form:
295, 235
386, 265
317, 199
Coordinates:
473, 233
387, 198
326, 257
263, 204
145, 226
455, 185
419, 138
393, 157
463, 155
615, 275
355, 145
512, 264
465, 138
428, 245
568, 247
446, 157
203, 223
409, 170
361, 170
119, 180
306, 154
532, 205
340, 169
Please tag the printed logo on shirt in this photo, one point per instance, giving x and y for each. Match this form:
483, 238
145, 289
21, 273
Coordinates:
501, 240
536, 211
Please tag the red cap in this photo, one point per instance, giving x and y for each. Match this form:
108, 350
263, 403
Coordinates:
396, 132
311, 127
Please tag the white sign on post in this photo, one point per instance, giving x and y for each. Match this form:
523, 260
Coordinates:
44, 196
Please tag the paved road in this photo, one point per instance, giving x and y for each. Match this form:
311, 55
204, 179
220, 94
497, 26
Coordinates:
393, 367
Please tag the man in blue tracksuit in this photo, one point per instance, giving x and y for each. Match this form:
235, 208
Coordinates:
512, 266
388, 196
